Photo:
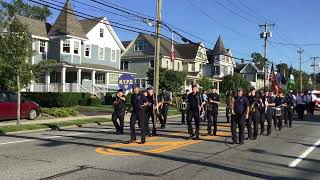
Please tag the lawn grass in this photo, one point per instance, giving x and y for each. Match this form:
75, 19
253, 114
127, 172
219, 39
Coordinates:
54, 126
97, 108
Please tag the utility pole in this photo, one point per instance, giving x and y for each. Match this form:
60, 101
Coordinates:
314, 71
300, 51
265, 34
157, 55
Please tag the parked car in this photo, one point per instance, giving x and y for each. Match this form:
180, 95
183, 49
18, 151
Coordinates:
317, 100
8, 107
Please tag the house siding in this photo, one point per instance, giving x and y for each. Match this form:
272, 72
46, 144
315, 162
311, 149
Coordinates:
140, 67
37, 57
54, 49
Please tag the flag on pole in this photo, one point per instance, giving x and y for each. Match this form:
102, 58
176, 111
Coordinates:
290, 82
172, 49
272, 79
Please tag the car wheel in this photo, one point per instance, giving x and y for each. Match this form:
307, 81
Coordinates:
32, 114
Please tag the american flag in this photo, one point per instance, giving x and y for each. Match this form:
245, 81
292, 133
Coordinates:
172, 49
272, 79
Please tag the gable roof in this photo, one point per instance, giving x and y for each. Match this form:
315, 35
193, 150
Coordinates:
219, 48
125, 43
88, 24
256, 66
67, 23
36, 27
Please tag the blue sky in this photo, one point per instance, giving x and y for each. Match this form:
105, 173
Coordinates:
297, 21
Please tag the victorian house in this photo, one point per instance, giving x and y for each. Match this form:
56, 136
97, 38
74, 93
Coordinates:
253, 72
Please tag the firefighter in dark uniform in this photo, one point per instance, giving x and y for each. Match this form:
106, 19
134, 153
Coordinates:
270, 104
254, 116
262, 111
228, 102
212, 113
119, 112
241, 113
184, 99
165, 102
193, 112
150, 113
139, 103
279, 103
249, 120
288, 109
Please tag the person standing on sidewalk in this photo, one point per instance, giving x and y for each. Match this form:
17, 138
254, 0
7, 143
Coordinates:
119, 112
212, 114
139, 103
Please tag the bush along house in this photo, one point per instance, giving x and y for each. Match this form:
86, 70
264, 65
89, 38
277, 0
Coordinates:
87, 53
139, 57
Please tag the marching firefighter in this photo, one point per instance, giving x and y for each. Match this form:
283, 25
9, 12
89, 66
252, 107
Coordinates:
183, 106
164, 107
288, 109
193, 112
270, 104
279, 116
139, 103
262, 111
212, 111
119, 112
241, 113
254, 116
151, 109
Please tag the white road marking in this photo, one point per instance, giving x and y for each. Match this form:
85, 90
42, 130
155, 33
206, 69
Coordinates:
305, 154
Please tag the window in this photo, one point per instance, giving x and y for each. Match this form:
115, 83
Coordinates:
124, 65
66, 46
101, 32
138, 81
113, 78
140, 46
200, 67
87, 50
42, 46
178, 66
143, 83
3, 97
215, 70
151, 64
100, 78
193, 67
76, 47
113, 56
101, 53
167, 64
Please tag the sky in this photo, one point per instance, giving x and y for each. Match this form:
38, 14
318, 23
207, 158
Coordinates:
236, 21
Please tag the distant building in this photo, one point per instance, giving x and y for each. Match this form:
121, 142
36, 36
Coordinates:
253, 72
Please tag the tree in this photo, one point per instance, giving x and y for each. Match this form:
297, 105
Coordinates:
232, 82
205, 83
169, 79
257, 58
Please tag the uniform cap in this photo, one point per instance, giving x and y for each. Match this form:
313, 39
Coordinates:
135, 86
120, 90
194, 85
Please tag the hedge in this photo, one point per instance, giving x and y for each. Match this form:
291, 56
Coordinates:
58, 99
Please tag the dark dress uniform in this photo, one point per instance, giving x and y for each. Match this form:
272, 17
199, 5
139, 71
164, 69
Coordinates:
193, 112
262, 110
118, 113
269, 114
255, 105
240, 110
184, 98
138, 113
278, 120
212, 113
288, 110
249, 120
150, 114
165, 99
228, 101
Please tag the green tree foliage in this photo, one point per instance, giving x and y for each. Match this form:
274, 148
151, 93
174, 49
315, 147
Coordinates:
169, 79
205, 83
232, 82
18, 7
257, 58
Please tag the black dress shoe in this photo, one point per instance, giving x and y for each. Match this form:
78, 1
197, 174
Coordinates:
117, 133
132, 141
142, 142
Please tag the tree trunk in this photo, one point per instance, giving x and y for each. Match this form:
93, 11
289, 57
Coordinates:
18, 100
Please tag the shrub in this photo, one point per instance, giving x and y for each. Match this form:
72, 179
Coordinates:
57, 99
60, 112
94, 101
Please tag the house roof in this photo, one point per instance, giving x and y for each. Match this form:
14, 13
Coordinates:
219, 47
88, 24
67, 23
259, 66
36, 27
239, 67
126, 43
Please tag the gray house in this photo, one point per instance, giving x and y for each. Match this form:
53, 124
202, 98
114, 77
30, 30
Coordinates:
87, 51
139, 57
253, 72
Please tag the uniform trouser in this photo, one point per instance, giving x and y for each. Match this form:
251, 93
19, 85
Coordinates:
262, 120
183, 117
212, 121
227, 113
275, 121
150, 114
115, 116
249, 127
269, 117
300, 111
255, 118
279, 121
237, 121
312, 107
288, 116
193, 114
164, 113
141, 116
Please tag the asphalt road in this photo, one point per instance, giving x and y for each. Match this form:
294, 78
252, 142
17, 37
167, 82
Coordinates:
94, 152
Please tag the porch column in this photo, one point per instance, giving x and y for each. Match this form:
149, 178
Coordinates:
79, 80
185, 86
63, 79
93, 78
107, 81
48, 81
218, 87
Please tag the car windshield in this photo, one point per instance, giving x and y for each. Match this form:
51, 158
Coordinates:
3, 97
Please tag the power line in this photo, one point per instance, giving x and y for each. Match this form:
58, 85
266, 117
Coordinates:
245, 11
295, 45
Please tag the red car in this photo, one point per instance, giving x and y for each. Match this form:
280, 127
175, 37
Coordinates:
8, 107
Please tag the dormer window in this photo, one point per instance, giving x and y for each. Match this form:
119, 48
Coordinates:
140, 46
76, 47
66, 46
101, 32
42, 46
